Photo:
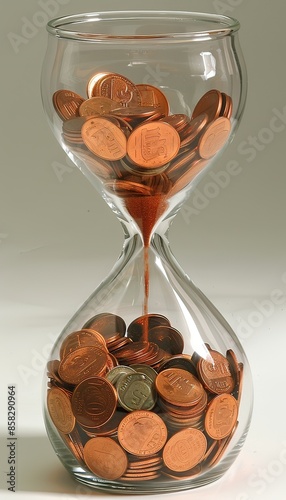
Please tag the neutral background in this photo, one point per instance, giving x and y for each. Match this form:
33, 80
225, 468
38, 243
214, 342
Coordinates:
58, 240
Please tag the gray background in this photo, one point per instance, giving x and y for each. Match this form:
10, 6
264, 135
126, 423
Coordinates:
58, 239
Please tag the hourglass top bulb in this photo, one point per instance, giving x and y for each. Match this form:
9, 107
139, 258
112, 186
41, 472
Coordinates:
127, 136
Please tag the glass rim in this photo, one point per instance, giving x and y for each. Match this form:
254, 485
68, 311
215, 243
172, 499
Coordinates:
220, 25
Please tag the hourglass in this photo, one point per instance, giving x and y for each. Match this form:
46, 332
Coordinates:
147, 388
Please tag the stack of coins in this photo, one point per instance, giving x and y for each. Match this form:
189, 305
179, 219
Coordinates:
143, 411
125, 134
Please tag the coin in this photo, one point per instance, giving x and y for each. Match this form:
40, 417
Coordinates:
214, 137
221, 416
153, 144
82, 363
184, 450
114, 86
211, 104
97, 106
167, 338
105, 458
104, 139
116, 373
147, 370
107, 324
179, 387
82, 338
94, 402
146, 322
67, 103
60, 410
215, 373
154, 97
136, 392
142, 433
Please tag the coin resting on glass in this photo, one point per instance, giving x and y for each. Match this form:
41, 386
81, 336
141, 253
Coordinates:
148, 388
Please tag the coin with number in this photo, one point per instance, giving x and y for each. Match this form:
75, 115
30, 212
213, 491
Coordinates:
104, 139
67, 103
94, 402
116, 87
184, 450
153, 144
221, 416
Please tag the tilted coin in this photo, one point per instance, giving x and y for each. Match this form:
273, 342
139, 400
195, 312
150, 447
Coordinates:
147, 370
210, 104
167, 338
82, 363
116, 87
67, 103
142, 433
117, 372
221, 416
184, 450
60, 410
214, 137
153, 144
94, 402
81, 338
105, 458
215, 373
136, 392
104, 139
107, 324
179, 387
145, 323
97, 106
154, 97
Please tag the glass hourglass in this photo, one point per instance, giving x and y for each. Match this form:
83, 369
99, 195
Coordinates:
147, 388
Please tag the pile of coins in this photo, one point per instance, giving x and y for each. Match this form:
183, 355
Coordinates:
131, 406
126, 135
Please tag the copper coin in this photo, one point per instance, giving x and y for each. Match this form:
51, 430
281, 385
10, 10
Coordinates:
107, 324
227, 106
60, 410
142, 433
116, 87
221, 416
146, 322
167, 338
97, 166
183, 361
73, 442
105, 458
193, 130
67, 103
215, 373
104, 139
154, 97
211, 104
184, 450
127, 188
82, 363
97, 106
94, 402
81, 338
214, 137
179, 387
187, 177
153, 144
